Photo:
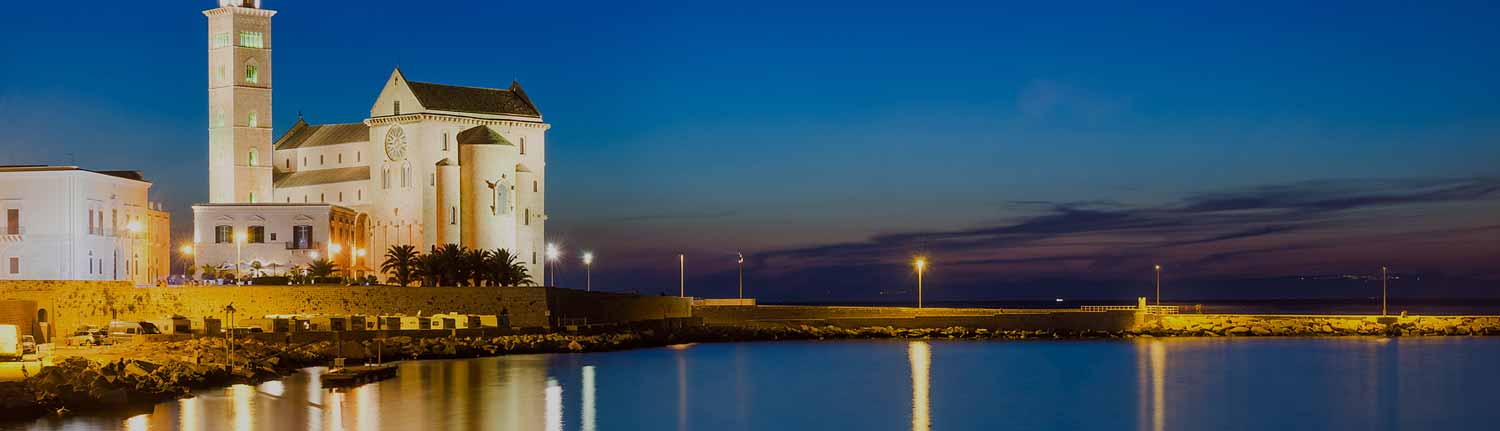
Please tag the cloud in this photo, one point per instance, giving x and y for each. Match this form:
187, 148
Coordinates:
1087, 240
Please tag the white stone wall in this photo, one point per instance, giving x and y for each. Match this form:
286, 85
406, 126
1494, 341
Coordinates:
240, 153
55, 241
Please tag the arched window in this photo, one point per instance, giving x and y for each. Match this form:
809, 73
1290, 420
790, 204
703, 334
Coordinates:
523, 145
396, 107
252, 73
254, 156
385, 177
219, 118
452, 215
406, 175
254, 120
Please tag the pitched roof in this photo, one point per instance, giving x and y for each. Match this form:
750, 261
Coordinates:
303, 135
321, 176
474, 100
481, 135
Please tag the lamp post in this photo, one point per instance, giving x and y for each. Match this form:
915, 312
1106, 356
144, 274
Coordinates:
333, 253
1384, 276
681, 275
185, 253
921, 267
552, 255
239, 240
356, 257
1158, 284
588, 271
741, 262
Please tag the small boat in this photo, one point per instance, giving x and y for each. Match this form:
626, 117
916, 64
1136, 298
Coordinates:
358, 375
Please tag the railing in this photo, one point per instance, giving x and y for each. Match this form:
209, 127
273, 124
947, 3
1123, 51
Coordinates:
13, 230
1150, 309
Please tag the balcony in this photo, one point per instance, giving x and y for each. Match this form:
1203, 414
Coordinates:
12, 233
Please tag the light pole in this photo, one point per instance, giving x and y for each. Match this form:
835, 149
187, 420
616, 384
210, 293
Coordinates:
239, 240
1158, 284
1384, 276
186, 252
681, 275
333, 254
921, 267
552, 255
588, 270
741, 262
354, 258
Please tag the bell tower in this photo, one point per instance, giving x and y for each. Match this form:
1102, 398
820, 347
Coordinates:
239, 102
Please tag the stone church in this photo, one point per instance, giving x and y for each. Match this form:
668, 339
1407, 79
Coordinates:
432, 164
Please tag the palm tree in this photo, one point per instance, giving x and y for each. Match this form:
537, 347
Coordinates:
401, 262
473, 266
450, 264
209, 271
429, 269
321, 268
255, 268
505, 269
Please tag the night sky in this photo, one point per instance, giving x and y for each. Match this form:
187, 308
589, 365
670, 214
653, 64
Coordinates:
1029, 150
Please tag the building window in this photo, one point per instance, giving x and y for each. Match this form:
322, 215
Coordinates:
396, 107
288, 164
252, 39
535, 186
528, 217
252, 197
322, 197
254, 122
13, 221
252, 74
359, 195
218, 118
223, 234
15, 265
341, 157
341, 196
405, 175
302, 237
257, 234
523, 145
445, 141
254, 155
356, 157
385, 178
222, 74
219, 40
433, 178
533, 258
91, 221
320, 160
452, 215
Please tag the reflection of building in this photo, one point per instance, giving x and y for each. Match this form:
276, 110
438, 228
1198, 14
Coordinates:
432, 164
66, 223
276, 236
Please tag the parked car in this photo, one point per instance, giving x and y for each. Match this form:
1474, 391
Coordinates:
10, 343
87, 336
28, 346
125, 332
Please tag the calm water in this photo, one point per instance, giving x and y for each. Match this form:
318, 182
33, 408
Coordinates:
1306, 383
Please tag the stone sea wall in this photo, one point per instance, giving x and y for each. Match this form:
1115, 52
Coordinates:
1217, 325
70, 304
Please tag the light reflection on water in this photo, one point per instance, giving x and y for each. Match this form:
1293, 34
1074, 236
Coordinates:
1143, 385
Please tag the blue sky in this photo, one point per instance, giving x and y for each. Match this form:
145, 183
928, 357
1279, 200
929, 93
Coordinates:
810, 134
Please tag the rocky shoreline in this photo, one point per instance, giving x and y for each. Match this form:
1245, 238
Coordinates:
78, 384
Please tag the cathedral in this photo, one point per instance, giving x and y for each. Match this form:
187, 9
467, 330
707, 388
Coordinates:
432, 164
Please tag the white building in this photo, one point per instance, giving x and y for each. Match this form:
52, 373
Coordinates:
272, 238
66, 223
432, 164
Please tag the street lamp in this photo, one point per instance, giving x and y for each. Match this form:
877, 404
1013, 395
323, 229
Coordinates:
588, 269
921, 267
681, 275
552, 255
1158, 284
239, 240
1384, 276
741, 262
185, 252
356, 257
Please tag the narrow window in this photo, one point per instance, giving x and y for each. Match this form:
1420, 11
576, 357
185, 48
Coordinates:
445, 141
253, 120
15, 265
523, 145
341, 196
359, 195
433, 178
397, 108
288, 164
320, 160
288, 199
91, 221
13, 221
252, 197
322, 197
535, 186
528, 216
341, 157
452, 215
252, 39
252, 74
219, 118
254, 155
356, 157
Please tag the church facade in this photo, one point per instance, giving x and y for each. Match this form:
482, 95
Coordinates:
432, 164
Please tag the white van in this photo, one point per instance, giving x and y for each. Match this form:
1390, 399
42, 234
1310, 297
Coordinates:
125, 332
